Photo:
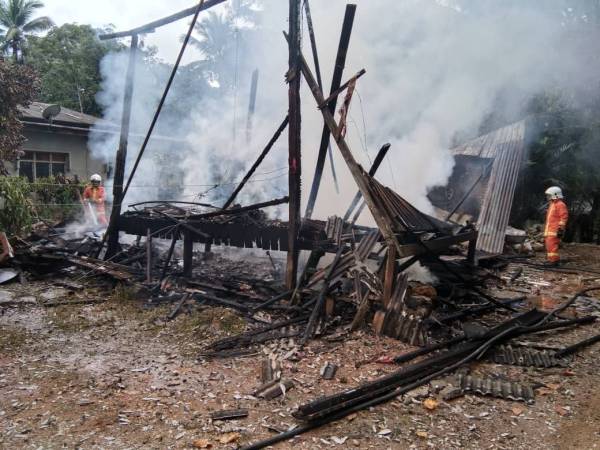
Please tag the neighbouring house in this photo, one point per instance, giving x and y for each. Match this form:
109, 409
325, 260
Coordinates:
56, 146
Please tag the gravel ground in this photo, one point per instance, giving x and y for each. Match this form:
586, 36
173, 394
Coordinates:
117, 375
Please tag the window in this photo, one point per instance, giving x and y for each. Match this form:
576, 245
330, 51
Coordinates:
34, 165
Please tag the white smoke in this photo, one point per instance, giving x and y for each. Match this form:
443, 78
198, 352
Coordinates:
434, 69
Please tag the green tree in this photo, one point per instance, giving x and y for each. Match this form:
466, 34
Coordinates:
224, 38
68, 59
17, 25
18, 87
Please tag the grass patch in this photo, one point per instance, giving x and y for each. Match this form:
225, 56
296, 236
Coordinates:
69, 319
210, 320
193, 332
13, 339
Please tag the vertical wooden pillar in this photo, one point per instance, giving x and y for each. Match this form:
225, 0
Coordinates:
472, 251
188, 254
149, 256
113, 229
295, 154
389, 275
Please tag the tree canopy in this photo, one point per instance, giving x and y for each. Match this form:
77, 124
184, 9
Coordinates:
68, 61
18, 87
17, 25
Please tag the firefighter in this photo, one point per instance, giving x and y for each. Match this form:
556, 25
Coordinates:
93, 195
556, 222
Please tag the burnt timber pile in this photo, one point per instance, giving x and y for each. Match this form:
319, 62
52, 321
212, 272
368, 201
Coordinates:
355, 278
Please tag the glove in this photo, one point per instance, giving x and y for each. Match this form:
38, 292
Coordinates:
560, 233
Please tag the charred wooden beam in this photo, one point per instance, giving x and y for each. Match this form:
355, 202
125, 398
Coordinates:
342, 88
383, 221
235, 211
372, 171
149, 256
152, 26
112, 233
338, 72
294, 151
182, 224
321, 299
229, 414
188, 253
315, 53
257, 163
389, 275
579, 345
169, 254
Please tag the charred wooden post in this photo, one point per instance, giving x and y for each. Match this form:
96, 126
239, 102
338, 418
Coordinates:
315, 53
251, 106
471, 252
338, 72
169, 254
149, 256
390, 275
257, 163
188, 253
295, 155
113, 231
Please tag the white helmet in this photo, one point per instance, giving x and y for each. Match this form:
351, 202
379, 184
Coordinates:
554, 192
96, 177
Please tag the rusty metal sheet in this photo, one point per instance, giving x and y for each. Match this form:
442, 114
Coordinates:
505, 148
496, 388
528, 357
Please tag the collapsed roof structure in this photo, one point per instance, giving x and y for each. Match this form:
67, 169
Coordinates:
365, 281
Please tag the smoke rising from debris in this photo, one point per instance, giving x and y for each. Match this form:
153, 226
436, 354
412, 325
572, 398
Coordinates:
435, 72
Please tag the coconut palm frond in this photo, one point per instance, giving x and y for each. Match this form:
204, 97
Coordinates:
38, 24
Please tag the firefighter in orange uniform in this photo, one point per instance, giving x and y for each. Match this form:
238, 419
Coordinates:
556, 222
94, 195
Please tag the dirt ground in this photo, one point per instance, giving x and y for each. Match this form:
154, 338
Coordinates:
118, 375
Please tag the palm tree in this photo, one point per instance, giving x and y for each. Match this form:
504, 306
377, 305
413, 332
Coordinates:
222, 38
16, 24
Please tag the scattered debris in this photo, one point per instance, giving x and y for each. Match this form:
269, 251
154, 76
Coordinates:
328, 371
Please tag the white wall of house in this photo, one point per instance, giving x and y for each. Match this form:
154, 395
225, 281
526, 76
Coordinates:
42, 143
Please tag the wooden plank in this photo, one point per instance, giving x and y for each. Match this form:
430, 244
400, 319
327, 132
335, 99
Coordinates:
188, 253
294, 150
390, 275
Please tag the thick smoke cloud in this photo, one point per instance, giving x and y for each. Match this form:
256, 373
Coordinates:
435, 70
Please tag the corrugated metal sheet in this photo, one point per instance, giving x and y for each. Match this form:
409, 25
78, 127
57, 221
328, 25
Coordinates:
496, 388
527, 357
405, 216
506, 147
